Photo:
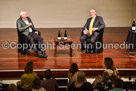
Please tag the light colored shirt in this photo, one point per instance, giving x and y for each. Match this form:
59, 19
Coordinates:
27, 22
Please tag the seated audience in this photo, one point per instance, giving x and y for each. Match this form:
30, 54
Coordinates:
12, 87
109, 75
81, 84
28, 77
72, 74
36, 86
49, 84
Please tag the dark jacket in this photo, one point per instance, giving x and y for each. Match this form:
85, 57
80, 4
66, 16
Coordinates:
22, 27
98, 23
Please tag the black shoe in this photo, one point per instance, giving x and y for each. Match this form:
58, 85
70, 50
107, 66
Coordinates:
92, 52
25, 53
82, 50
87, 51
45, 55
41, 54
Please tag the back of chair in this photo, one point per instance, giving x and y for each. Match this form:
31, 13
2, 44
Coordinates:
100, 40
100, 36
22, 39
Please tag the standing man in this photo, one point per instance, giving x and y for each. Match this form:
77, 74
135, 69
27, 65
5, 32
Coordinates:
92, 29
26, 27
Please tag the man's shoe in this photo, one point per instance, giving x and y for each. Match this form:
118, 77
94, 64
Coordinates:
45, 55
86, 52
92, 52
82, 50
25, 53
41, 54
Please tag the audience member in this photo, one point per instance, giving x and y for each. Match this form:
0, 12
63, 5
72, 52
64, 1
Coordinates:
28, 77
81, 84
72, 74
109, 75
12, 87
49, 84
36, 86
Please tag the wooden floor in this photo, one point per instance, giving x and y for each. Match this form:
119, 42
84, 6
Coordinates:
10, 60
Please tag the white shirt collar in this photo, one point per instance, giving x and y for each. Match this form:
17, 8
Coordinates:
94, 17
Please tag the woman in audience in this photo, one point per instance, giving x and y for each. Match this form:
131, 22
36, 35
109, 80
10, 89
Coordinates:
49, 84
81, 84
36, 86
109, 75
12, 87
72, 74
28, 77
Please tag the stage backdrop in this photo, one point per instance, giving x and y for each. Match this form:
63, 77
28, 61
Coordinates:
66, 13
134, 8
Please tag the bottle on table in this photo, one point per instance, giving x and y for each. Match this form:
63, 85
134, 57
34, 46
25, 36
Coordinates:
65, 36
134, 25
59, 36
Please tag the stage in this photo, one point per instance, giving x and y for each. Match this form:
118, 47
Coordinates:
12, 64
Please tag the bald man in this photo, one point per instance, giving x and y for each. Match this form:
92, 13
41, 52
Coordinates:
26, 27
91, 29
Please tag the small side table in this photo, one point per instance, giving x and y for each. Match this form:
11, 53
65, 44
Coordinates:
57, 42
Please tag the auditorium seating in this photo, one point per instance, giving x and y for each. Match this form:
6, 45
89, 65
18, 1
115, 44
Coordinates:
127, 85
62, 82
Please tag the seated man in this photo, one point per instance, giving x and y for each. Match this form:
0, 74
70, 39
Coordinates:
26, 27
91, 29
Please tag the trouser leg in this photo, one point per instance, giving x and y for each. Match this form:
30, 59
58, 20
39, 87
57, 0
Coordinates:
39, 39
83, 39
32, 42
93, 40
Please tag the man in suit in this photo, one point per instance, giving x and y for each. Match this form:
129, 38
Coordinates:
91, 29
26, 27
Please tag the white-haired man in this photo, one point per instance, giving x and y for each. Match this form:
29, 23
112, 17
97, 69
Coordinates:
92, 29
26, 27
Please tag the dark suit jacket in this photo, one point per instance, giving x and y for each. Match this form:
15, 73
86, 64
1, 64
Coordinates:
98, 23
22, 27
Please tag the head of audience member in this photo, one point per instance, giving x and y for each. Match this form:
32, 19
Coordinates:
48, 74
81, 79
92, 13
12, 87
23, 15
108, 63
36, 83
29, 67
73, 68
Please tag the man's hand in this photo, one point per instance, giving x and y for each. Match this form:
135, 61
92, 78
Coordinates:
30, 24
85, 32
95, 29
36, 32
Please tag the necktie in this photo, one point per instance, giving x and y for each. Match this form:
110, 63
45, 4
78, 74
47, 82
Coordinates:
91, 26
